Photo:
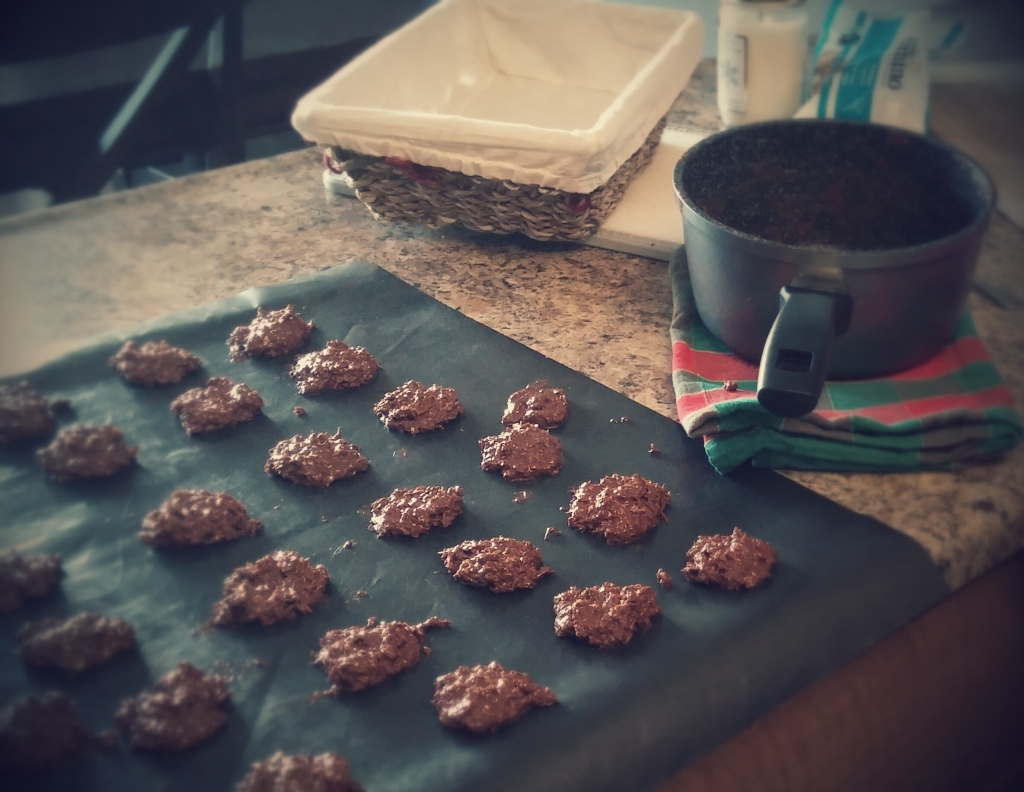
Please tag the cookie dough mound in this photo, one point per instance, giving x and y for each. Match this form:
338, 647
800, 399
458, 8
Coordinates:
275, 588
522, 452
537, 405
81, 452
182, 709
197, 517
326, 772
76, 644
733, 562
154, 363
316, 460
337, 366
24, 413
220, 404
483, 698
619, 508
270, 334
40, 732
607, 615
499, 564
413, 512
22, 577
413, 408
356, 658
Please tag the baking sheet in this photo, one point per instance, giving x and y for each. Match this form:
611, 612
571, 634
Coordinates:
628, 718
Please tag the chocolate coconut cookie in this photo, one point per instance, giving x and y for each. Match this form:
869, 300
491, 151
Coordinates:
522, 452
154, 363
194, 517
619, 508
22, 577
500, 564
537, 405
81, 452
413, 512
40, 732
485, 697
356, 658
76, 644
607, 615
326, 772
732, 562
316, 460
270, 334
275, 588
24, 413
337, 366
413, 408
182, 709
220, 404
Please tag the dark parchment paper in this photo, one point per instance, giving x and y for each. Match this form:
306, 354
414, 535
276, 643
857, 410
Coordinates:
627, 719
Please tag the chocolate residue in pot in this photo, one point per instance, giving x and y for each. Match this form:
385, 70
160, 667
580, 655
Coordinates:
605, 616
483, 698
537, 405
498, 564
732, 562
521, 453
275, 588
619, 508
401, 453
24, 413
195, 517
621, 420
326, 772
153, 363
414, 408
220, 404
182, 709
40, 732
832, 185
356, 658
337, 366
76, 644
270, 334
316, 460
413, 512
81, 452
664, 579
26, 576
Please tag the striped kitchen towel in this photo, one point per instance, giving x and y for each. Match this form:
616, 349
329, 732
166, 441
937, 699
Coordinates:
949, 410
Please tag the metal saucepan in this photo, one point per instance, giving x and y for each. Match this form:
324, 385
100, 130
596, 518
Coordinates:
830, 248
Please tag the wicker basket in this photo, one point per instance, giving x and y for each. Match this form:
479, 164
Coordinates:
400, 190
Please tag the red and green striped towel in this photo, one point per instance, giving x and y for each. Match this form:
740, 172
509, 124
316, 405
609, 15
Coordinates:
949, 410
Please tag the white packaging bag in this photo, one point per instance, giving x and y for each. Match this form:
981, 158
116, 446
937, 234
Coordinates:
558, 93
870, 68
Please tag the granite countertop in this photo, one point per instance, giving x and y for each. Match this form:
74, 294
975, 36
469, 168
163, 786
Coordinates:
81, 270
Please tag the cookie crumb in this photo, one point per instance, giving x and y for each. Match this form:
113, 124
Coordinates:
550, 533
654, 450
522, 496
348, 544
299, 410
361, 594
665, 579
730, 386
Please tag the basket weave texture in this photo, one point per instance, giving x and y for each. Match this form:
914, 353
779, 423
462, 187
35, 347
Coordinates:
398, 190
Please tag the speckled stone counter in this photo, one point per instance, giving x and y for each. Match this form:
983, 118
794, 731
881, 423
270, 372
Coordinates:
77, 271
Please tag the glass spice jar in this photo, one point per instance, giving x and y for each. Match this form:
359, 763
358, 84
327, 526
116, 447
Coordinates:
762, 52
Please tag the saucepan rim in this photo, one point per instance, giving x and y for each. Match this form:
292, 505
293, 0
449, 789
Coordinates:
815, 254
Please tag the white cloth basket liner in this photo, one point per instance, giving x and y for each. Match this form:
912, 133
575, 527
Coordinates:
558, 93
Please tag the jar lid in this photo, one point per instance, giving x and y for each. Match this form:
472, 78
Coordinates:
767, 3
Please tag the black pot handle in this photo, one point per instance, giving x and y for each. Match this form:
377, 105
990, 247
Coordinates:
796, 355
